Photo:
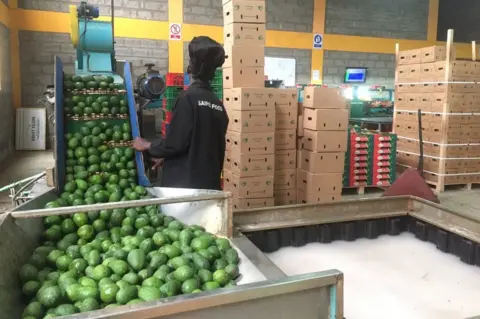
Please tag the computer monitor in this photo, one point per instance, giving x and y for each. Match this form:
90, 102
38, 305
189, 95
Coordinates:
355, 75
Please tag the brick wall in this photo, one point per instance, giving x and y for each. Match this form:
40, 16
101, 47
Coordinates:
303, 60
7, 112
146, 9
287, 15
381, 67
463, 19
404, 19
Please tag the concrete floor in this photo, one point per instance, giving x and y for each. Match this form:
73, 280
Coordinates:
25, 164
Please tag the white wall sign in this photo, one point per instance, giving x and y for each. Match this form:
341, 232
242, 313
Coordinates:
175, 31
281, 69
316, 75
317, 41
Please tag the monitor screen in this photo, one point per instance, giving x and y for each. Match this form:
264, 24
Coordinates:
355, 75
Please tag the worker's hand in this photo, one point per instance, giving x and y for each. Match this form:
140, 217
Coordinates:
157, 162
140, 144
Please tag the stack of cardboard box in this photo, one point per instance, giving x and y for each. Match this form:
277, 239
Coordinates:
324, 143
249, 165
286, 103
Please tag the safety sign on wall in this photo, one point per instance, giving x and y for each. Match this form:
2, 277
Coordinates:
175, 31
317, 41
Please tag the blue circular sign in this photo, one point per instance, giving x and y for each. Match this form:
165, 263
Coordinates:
317, 39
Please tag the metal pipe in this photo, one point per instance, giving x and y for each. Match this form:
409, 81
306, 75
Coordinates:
126, 204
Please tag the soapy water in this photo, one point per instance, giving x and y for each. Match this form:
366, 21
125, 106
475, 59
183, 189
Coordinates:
394, 277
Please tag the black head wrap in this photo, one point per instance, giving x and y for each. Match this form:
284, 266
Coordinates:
206, 55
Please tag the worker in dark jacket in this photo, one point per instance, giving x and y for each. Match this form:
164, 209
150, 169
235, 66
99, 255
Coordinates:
194, 146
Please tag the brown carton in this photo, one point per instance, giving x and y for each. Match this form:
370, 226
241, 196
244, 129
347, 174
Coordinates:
285, 139
300, 126
323, 98
251, 121
249, 165
318, 163
409, 56
326, 183
286, 117
434, 54
243, 77
325, 120
325, 141
408, 73
285, 179
244, 12
312, 198
285, 197
248, 99
244, 34
286, 159
248, 187
251, 203
286, 98
251, 143
239, 56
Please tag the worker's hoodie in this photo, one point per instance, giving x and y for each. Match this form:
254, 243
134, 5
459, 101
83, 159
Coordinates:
194, 146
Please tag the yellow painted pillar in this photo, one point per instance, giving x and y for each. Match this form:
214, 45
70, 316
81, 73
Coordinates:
15, 56
318, 27
175, 47
432, 20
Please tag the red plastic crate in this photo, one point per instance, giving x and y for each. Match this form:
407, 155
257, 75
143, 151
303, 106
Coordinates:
174, 79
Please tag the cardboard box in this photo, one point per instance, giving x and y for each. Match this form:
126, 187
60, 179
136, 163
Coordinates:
285, 197
244, 12
243, 77
434, 54
313, 198
318, 163
286, 98
299, 158
300, 126
244, 34
251, 203
325, 141
251, 143
251, 121
249, 165
248, 187
323, 98
248, 99
286, 159
286, 117
285, 139
285, 179
325, 183
325, 120
408, 73
239, 56
409, 57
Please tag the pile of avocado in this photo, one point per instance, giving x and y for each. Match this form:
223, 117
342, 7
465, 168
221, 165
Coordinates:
94, 260
98, 101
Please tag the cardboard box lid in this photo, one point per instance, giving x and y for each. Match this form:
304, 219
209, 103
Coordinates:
244, 77
325, 141
248, 99
251, 121
326, 183
285, 159
325, 120
323, 98
323, 162
249, 187
286, 97
251, 143
244, 34
241, 56
249, 164
244, 11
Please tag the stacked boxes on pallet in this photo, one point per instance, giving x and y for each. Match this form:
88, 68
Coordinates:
448, 95
370, 160
249, 159
325, 124
286, 112
174, 85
